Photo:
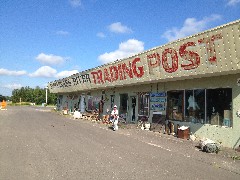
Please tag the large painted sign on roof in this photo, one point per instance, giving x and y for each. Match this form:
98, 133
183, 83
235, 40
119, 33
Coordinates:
213, 52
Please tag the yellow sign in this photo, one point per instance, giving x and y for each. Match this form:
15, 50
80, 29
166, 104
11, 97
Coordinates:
4, 105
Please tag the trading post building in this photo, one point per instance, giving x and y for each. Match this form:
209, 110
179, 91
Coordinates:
194, 81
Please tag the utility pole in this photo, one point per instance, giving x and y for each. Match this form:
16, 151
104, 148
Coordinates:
46, 94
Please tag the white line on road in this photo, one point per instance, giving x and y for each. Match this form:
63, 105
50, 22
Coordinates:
158, 146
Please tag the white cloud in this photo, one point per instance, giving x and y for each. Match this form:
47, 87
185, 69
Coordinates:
63, 74
46, 71
119, 28
126, 49
11, 73
190, 26
101, 35
64, 33
51, 59
233, 2
75, 3
12, 86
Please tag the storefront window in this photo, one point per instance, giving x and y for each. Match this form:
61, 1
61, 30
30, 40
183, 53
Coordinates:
143, 104
195, 105
206, 106
175, 105
93, 103
219, 106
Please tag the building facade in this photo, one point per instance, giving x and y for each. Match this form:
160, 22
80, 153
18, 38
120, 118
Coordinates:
193, 81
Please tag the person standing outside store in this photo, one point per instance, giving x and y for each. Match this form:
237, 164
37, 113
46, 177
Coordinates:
114, 117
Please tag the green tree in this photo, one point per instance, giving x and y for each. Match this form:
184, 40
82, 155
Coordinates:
8, 98
37, 95
2, 98
15, 96
52, 98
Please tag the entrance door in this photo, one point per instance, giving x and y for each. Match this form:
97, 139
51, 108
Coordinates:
123, 109
59, 102
82, 104
132, 108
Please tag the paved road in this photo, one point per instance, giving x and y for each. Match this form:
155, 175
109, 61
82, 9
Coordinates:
38, 144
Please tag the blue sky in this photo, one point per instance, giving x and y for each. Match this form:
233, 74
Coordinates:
44, 40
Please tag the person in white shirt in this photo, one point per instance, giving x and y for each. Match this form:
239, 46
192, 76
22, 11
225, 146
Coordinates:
114, 117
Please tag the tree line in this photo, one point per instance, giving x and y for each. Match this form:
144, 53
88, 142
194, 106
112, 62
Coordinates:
5, 98
37, 95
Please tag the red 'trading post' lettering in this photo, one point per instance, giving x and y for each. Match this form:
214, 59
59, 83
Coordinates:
174, 58
94, 77
97, 77
151, 64
107, 76
120, 72
127, 70
114, 73
140, 69
191, 56
210, 45
100, 79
